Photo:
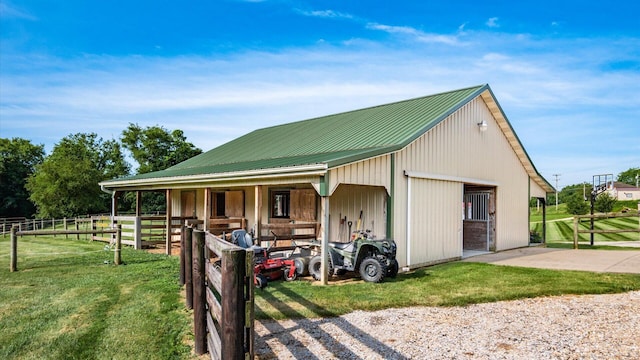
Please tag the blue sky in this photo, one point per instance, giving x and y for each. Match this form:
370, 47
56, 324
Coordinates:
566, 73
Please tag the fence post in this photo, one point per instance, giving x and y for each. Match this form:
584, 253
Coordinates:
137, 233
233, 303
13, 264
53, 225
199, 295
575, 232
77, 228
117, 259
188, 266
183, 230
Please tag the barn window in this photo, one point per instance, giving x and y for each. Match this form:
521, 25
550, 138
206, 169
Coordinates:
294, 204
280, 203
227, 204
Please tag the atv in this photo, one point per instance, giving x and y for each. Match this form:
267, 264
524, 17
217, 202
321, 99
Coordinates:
373, 259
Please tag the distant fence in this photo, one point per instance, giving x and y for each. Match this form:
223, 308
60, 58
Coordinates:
576, 221
137, 231
220, 291
13, 262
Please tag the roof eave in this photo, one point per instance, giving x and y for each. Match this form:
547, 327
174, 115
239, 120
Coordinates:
302, 170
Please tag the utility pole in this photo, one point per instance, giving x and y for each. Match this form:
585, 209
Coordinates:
556, 176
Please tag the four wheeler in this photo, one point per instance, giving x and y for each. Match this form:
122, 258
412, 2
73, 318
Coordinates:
373, 259
265, 269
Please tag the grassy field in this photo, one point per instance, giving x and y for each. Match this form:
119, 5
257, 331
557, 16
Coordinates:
67, 301
560, 226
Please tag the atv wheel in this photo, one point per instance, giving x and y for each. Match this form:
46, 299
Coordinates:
392, 269
286, 276
372, 270
261, 281
314, 267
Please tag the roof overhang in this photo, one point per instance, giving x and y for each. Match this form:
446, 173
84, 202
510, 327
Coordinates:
176, 181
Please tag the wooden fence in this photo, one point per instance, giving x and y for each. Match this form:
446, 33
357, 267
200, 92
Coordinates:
15, 232
219, 288
576, 221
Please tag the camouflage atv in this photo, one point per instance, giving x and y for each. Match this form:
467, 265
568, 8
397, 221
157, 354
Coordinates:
373, 259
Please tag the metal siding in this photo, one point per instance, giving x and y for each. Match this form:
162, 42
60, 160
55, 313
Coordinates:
348, 200
456, 147
435, 202
374, 172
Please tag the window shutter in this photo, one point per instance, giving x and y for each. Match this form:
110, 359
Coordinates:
303, 205
234, 203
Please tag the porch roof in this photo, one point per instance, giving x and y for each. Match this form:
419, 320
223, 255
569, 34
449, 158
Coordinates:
322, 143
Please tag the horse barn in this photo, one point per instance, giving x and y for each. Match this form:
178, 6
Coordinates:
443, 175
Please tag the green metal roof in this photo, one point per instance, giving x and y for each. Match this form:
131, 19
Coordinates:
332, 140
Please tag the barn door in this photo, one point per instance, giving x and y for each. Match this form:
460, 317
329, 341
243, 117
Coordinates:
476, 227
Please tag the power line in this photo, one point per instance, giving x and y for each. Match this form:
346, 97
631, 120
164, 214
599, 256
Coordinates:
556, 176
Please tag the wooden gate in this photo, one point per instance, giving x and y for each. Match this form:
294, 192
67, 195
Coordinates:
222, 296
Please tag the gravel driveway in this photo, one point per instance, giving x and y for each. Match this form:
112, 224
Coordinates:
561, 327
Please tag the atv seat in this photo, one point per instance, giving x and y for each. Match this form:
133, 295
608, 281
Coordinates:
342, 246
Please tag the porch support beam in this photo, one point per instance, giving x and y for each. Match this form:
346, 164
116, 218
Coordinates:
138, 203
258, 211
324, 250
207, 208
168, 228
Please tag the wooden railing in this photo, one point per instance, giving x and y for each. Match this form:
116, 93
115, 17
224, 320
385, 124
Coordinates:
576, 221
220, 291
15, 232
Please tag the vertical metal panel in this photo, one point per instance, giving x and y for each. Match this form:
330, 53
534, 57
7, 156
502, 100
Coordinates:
375, 172
435, 224
456, 147
349, 200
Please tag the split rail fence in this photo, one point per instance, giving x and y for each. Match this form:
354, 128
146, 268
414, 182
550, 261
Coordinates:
218, 279
15, 232
577, 230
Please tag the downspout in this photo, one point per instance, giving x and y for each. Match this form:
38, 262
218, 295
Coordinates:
113, 201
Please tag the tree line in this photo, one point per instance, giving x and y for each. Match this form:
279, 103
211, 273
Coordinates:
64, 183
577, 197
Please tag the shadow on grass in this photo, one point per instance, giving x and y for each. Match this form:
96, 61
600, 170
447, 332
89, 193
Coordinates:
298, 345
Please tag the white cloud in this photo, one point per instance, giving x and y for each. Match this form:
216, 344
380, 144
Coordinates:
414, 34
8, 11
492, 22
573, 115
325, 14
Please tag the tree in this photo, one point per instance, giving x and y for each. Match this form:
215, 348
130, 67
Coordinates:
66, 183
629, 176
154, 148
604, 202
18, 160
576, 204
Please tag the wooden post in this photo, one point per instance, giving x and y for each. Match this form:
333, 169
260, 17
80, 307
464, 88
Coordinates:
575, 232
13, 264
188, 266
64, 223
169, 210
117, 259
183, 231
232, 302
258, 212
53, 225
199, 295
207, 208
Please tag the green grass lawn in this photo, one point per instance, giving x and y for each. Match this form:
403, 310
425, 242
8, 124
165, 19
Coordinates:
65, 302
560, 226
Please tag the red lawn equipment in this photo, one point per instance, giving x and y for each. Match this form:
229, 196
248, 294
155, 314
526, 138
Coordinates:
265, 269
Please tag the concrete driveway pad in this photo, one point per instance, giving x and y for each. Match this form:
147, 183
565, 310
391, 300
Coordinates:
617, 261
